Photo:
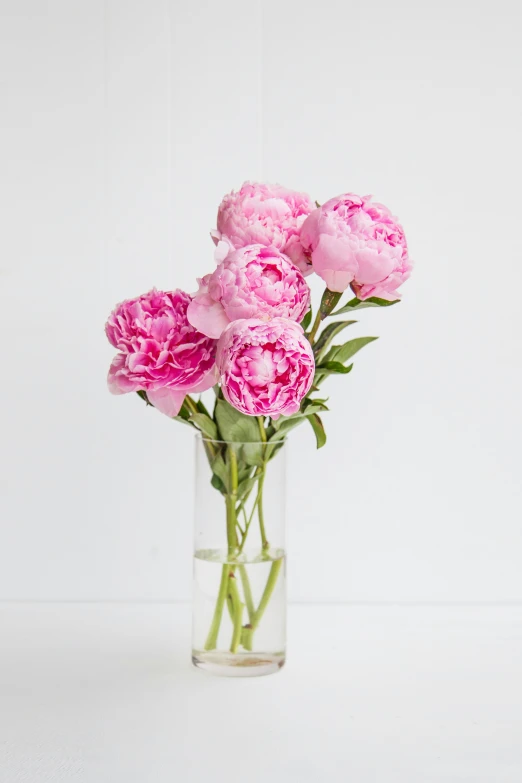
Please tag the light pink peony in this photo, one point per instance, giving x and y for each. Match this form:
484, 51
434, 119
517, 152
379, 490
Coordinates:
265, 368
353, 241
160, 351
253, 282
263, 214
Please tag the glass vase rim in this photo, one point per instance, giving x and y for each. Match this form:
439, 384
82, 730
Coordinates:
199, 437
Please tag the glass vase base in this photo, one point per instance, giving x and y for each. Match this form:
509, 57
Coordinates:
243, 664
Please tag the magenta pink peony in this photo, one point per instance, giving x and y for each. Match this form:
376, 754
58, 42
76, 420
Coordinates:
252, 282
264, 214
355, 242
265, 368
160, 351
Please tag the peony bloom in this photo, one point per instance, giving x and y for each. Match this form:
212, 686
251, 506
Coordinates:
265, 367
263, 214
353, 241
160, 352
253, 282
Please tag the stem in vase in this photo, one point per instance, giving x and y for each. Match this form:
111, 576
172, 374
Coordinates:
247, 592
315, 327
231, 501
237, 608
248, 631
212, 637
227, 572
260, 512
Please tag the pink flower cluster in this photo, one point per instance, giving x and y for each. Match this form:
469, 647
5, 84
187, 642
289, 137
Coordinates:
242, 328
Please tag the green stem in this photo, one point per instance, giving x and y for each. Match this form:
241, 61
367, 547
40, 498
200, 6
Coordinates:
191, 404
247, 592
244, 499
248, 631
260, 512
230, 501
237, 608
248, 521
329, 300
269, 589
212, 637
315, 327
262, 431
227, 572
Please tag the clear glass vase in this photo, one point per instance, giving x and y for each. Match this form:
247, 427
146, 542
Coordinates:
239, 591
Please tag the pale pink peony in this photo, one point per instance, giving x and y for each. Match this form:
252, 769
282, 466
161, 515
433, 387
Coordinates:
160, 351
355, 242
252, 282
265, 367
263, 214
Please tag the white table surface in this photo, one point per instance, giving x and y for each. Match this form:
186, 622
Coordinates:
105, 693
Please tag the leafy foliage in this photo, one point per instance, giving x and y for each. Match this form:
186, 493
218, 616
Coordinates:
318, 428
341, 353
327, 335
358, 304
307, 320
235, 426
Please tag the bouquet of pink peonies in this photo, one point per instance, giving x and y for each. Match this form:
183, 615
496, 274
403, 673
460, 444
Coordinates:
249, 332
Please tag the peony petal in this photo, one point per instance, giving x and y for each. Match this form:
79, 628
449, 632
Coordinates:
207, 316
167, 401
210, 380
116, 379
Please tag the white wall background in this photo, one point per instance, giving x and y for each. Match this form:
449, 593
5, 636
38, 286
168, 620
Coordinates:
123, 124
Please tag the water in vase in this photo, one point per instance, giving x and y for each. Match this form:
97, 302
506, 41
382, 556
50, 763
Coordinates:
239, 611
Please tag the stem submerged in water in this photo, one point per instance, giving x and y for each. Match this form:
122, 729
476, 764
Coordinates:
212, 637
248, 631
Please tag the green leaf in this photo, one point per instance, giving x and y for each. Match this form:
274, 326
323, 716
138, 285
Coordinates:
245, 486
201, 407
184, 412
143, 394
310, 401
205, 424
252, 454
327, 335
235, 426
315, 409
341, 353
358, 304
307, 320
285, 426
313, 406
272, 449
329, 300
317, 426
220, 470
218, 484
334, 367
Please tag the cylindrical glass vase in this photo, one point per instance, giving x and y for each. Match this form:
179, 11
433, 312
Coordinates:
239, 591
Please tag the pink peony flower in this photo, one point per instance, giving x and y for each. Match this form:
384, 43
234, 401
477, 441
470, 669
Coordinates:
253, 282
265, 367
263, 214
353, 241
160, 352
